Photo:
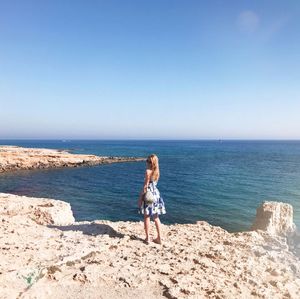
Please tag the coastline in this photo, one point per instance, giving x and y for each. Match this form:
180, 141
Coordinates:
14, 158
224, 183
45, 254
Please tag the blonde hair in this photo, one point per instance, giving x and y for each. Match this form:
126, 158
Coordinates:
152, 162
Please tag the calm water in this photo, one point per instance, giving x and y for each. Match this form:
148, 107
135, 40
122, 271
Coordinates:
220, 182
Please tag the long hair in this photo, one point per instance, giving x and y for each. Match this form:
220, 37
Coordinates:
152, 163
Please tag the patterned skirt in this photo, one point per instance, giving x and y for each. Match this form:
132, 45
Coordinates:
158, 206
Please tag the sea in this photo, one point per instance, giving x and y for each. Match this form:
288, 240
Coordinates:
218, 181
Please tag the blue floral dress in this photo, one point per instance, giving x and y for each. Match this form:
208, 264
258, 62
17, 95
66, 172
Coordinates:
158, 206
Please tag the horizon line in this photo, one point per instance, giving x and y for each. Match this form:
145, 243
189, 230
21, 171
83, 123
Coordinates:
145, 139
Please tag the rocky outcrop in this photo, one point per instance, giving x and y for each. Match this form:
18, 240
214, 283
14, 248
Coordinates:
41, 210
103, 259
275, 218
17, 158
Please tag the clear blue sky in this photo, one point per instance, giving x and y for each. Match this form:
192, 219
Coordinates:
150, 69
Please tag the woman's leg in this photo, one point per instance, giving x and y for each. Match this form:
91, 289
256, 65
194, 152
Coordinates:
157, 225
147, 226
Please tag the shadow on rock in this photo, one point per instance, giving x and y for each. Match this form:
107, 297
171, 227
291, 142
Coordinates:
93, 229
293, 240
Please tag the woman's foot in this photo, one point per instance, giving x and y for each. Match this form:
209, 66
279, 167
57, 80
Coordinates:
146, 241
157, 241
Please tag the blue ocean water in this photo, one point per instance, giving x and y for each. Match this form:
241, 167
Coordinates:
221, 182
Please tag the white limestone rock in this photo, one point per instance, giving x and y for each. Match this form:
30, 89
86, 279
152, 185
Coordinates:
276, 218
41, 210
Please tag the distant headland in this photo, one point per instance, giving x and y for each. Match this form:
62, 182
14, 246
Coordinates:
17, 158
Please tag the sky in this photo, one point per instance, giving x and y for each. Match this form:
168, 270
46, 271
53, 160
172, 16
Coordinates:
161, 69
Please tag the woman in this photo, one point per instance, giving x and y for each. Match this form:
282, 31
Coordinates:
157, 207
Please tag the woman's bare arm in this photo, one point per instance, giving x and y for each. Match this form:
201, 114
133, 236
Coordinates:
146, 184
147, 180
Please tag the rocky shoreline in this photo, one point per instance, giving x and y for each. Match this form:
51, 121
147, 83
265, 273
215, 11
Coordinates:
14, 158
47, 254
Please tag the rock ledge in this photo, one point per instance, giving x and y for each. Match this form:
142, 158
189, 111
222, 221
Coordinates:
46, 254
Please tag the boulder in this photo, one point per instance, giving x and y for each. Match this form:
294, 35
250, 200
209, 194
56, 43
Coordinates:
42, 210
276, 218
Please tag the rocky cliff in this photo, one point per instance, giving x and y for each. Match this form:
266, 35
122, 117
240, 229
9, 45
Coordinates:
46, 254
